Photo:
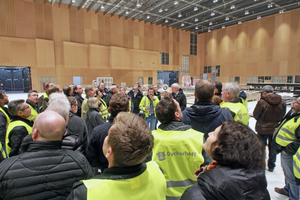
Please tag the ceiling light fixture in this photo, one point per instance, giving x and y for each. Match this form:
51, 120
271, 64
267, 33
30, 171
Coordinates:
102, 7
209, 30
281, 11
73, 1
223, 26
182, 24
258, 17
210, 23
196, 19
160, 10
215, 1
226, 18
138, 5
270, 5
127, 12
195, 8
166, 21
232, 7
196, 27
247, 12
239, 22
212, 14
175, 2
148, 16
179, 15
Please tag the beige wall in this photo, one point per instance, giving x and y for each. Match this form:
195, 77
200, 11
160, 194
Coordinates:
266, 47
64, 42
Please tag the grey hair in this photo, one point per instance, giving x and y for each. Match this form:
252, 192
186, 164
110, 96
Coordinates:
92, 102
234, 88
176, 85
267, 89
59, 103
113, 87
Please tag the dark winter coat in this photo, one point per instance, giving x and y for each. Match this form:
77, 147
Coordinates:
269, 111
224, 183
44, 171
108, 97
180, 98
79, 99
92, 119
94, 152
135, 100
205, 117
3, 124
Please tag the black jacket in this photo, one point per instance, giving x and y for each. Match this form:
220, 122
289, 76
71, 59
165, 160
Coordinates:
76, 135
158, 94
79, 191
180, 98
79, 99
108, 97
44, 171
35, 107
17, 134
205, 117
135, 100
94, 152
92, 119
3, 123
224, 183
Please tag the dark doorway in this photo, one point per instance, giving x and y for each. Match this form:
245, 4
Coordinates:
167, 77
15, 79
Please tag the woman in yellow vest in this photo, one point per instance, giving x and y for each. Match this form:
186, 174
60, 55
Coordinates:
238, 167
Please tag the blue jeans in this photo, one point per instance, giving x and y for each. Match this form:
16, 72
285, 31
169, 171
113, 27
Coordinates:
290, 184
151, 122
272, 158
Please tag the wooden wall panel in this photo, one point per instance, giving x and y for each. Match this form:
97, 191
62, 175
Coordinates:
44, 53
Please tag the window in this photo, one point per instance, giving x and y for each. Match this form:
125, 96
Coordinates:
261, 79
164, 58
185, 64
231, 79
205, 69
290, 79
209, 69
193, 42
150, 80
267, 78
237, 79
218, 71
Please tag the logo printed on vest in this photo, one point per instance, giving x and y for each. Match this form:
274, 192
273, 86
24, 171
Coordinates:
161, 156
240, 116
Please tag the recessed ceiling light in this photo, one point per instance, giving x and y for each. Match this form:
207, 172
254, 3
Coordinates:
195, 8
196, 27
102, 7
148, 16
226, 18
179, 15
212, 14
182, 24
160, 10
166, 21
210, 23
247, 12
127, 12
196, 19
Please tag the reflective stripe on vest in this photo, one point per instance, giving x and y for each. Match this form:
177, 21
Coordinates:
286, 134
2, 151
149, 185
244, 102
6, 115
174, 151
296, 164
34, 114
10, 127
104, 110
146, 101
241, 113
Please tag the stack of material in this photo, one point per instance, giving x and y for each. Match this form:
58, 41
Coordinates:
253, 95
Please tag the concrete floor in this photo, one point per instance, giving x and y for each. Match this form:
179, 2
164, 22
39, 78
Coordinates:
275, 179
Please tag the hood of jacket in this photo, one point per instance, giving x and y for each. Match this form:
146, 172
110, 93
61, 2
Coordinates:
272, 99
203, 111
174, 126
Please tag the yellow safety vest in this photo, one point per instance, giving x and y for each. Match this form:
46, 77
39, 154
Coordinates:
286, 134
2, 151
45, 95
104, 110
146, 102
6, 115
150, 185
244, 102
34, 114
10, 127
296, 164
241, 113
179, 155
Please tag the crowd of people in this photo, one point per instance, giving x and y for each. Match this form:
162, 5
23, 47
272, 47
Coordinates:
109, 145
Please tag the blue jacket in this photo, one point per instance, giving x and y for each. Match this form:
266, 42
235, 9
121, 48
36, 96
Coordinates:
205, 117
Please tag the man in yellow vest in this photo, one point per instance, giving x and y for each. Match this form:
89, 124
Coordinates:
230, 95
32, 101
287, 141
89, 92
128, 143
104, 110
19, 127
4, 117
177, 148
45, 95
296, 167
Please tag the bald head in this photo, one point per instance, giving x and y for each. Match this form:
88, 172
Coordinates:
48, 126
